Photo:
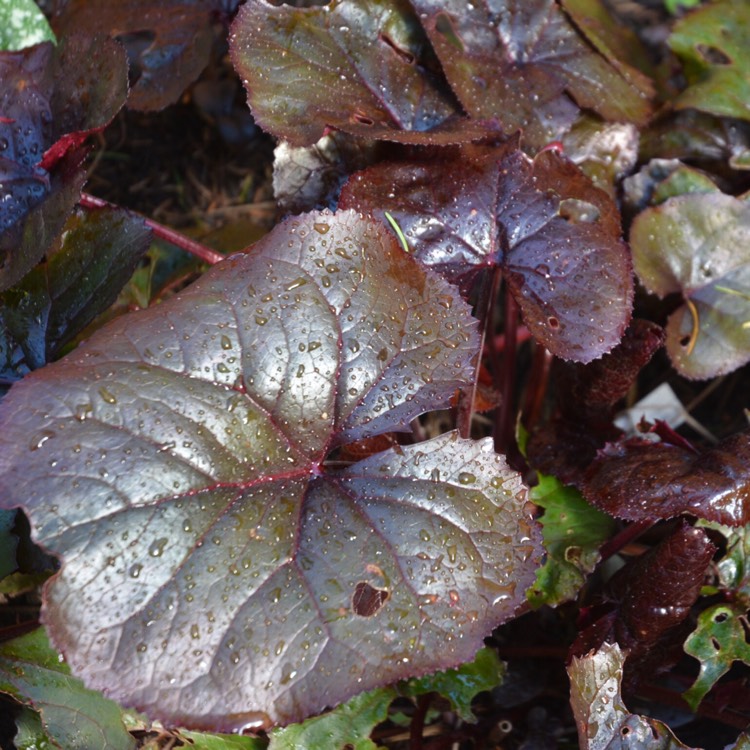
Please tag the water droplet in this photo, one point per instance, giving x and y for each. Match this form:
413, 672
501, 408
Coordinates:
40, 439
466, 477
157, 547
226, 342
135, 570
321, 228
107, 396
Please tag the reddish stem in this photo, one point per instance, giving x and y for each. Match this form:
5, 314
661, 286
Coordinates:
200, 251
504, 423
417, 722
623, 538
537, 386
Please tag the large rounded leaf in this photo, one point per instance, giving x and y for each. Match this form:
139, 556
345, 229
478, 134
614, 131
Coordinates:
219, 569
555, 235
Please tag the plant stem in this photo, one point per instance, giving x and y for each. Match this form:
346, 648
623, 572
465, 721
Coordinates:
417, 721
204, 253
504, 423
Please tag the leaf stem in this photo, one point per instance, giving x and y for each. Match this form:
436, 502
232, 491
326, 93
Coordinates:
504, 423
417, 722
202, 252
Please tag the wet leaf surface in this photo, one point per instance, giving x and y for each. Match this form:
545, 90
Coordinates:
179, 465
604, 722
526, 65
72, 716
699, 246
59, 297
51, 98
714, 45
553, 233
362, 67
719, 640
573, 531
638, 480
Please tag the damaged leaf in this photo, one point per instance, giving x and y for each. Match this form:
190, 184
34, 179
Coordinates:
180, 464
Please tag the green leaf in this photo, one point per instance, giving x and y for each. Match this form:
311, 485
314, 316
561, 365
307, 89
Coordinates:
460, 686
717, 642
30, 734
348, 725
573, 531
714, 45
203, 741
72, 716
8, 543
699, 245
22, 24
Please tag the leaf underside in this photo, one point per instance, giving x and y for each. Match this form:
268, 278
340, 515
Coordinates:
180, 462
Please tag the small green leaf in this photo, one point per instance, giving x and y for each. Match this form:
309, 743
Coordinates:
717, 642
22, 25
204, 741
72, 716
714, 45
573, 531
461, 685
30, 734
348, 725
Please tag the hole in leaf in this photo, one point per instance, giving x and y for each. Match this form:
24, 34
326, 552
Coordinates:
444, 26
721, 617
578, 212
553, 322
624, 731
685, 340
363, 119
367, 600
402, 54
713, 55
715, 643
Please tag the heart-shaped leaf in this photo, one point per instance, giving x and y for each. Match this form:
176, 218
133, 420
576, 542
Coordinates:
556, 236
699, 245
181, 464
372, 53
521, 61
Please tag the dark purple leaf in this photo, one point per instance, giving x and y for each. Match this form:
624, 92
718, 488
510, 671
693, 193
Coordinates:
639, 480
179, 465
521, 61
362, 67
652, 596
58, 298
168, 43
556, 236
51, 98
585, 396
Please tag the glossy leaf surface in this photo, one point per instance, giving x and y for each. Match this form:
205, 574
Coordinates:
699, 246
51, 99
604, 722
639, 480
79, 279
525, 64
573, 533
719, 640
714, 44
556, 236
356, 66
179, 465
72, 716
